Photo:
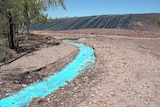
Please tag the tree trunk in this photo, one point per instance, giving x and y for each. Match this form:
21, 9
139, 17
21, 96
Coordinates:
28, 19
11, 31
27, 30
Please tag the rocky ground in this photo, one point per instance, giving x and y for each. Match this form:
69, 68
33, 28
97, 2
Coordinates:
126, 73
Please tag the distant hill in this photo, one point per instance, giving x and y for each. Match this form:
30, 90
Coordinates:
144, 22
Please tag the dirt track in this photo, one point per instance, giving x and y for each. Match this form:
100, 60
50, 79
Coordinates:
126, 73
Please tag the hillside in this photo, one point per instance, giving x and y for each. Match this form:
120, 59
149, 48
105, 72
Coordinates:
144, 22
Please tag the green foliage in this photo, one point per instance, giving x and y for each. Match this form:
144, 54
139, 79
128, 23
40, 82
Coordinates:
22, 10
21, 13
3, 28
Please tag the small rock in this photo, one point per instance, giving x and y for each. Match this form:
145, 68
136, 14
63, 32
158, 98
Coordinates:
96, 91
9, 90
8, 94
99, 87
24, 85
29, 77
146, 102
48, 99
92, 95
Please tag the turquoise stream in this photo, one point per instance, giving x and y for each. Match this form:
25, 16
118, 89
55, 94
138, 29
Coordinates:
83, 61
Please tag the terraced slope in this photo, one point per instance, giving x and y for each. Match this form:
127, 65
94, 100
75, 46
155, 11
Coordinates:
145, 22
136, 22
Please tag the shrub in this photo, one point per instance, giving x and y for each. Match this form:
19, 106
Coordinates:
158, 22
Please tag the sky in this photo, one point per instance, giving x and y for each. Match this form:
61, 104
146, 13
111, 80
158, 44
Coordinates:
80, 8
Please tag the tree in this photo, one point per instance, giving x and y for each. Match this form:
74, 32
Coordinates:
23, 12
9, 18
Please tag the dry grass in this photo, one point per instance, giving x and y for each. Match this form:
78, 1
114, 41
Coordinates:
158, 22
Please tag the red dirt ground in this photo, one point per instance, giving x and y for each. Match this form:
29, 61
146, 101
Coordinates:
126, 72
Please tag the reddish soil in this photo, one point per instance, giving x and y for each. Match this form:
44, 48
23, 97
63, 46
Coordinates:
117, 32
126, 72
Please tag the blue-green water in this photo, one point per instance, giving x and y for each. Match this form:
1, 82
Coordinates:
83, 61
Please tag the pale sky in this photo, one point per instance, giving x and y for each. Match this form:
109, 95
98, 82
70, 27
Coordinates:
105, 7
